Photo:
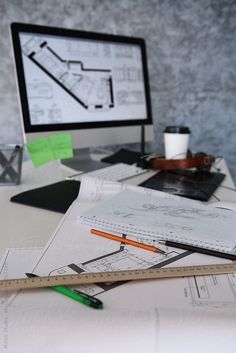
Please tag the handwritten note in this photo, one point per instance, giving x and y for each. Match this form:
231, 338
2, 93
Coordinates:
46, 149
61, 146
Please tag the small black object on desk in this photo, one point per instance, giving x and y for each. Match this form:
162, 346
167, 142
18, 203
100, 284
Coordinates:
123, 156
195, 185
54, 197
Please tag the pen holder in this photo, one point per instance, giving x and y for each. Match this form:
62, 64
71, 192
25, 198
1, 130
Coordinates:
10, 164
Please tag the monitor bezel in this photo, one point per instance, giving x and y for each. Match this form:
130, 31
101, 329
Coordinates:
17, 28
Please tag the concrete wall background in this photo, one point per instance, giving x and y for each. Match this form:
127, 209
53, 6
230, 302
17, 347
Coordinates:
191, 47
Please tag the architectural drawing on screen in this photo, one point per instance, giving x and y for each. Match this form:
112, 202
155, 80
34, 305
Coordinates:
91, 87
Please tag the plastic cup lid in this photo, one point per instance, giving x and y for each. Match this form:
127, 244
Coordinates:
177, 130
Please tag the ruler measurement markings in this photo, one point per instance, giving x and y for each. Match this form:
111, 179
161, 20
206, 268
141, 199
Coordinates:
115, 276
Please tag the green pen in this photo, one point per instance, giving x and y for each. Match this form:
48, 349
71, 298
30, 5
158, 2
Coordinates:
75, 294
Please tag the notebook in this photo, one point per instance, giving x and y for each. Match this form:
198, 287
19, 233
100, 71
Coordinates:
147, 217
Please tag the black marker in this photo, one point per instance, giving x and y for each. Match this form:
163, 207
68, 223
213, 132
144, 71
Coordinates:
198, 250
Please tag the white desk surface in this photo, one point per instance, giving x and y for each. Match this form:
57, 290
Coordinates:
25, 226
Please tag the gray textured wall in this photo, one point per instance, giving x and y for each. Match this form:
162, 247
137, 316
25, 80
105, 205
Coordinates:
191, 53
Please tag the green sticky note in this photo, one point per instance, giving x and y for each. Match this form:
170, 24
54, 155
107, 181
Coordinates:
61, 146
46, 149
40, 151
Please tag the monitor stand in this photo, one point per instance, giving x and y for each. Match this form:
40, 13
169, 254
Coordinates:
82, 161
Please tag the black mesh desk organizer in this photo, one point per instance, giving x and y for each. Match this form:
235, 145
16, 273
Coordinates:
196, 185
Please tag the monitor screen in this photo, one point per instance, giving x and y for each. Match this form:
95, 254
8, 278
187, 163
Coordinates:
92, 84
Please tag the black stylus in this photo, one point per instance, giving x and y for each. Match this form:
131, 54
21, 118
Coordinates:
198, 250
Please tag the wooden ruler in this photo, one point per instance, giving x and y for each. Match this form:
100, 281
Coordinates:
115, 276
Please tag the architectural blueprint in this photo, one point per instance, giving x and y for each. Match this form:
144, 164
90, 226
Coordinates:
42, 320
89, 77
73, 249
123, 258
85, 85
15, 263
164, 316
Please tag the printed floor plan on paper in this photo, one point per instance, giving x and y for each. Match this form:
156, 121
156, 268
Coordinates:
124, 258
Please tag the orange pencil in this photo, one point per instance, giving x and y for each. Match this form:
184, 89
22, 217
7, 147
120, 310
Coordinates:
126, 241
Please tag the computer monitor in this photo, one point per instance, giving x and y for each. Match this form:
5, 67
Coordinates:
94, 86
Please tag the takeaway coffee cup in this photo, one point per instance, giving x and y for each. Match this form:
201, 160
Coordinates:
176, 140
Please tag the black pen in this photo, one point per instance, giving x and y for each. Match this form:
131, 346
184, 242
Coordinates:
75, 294
198, 250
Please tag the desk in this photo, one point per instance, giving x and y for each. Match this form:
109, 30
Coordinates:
24, 226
